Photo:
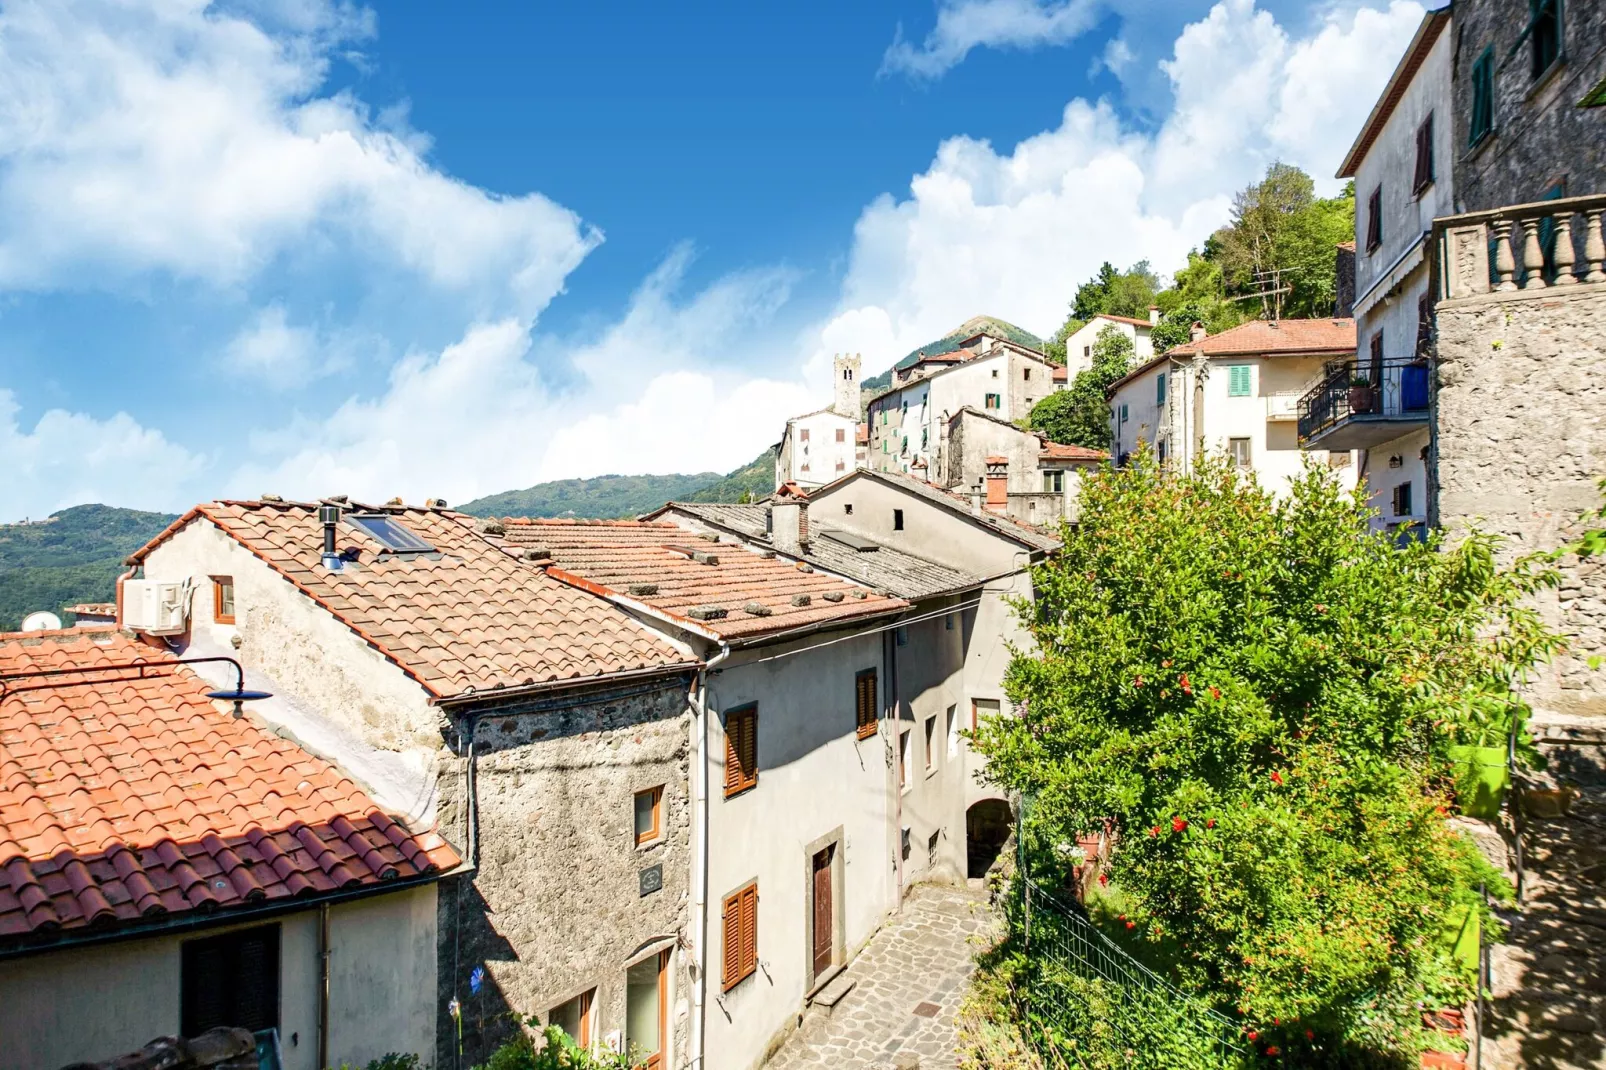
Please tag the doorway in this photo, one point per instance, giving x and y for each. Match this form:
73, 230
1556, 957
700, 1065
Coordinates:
987, 828
646, 1011
824, 913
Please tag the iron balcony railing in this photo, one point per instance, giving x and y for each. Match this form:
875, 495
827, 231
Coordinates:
1347, 389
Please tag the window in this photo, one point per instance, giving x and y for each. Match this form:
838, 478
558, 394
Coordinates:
1026, 375
1374, 220
230, 980
931, 849
847, 373
1159, 389
646, 1012
1239, 449
1482, 121
1424, 323
906, 759
1087, 352
897, 520
803, 435
649, 816
741, 750
1424, 156
1053, 482
389, 533
1544, 34
223, 599
574, 1017
995, 373
994, 401
805, 467
1160, 452
953, 732
931, 745
1123, 413
864, 708
741, 936
948, 622
847, 509
982, 707
841, 466
901, 634
1238, 381
1402, 499
841, 435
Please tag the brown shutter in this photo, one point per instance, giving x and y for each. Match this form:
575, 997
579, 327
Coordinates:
749, 929
741, 749
731, 971
864, 702
1424, 154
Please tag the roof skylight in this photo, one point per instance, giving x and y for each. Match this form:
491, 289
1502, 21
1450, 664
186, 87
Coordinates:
390, 533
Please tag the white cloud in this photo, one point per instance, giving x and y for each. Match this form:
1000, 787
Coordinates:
176, 137
270, 349
963, 25
69, 458
1012, 234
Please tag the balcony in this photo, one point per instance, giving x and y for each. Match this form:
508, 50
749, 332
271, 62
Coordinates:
1358, 404
1552, 245
1283, 405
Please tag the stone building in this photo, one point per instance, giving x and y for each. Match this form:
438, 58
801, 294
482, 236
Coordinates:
169, 866
1041, 479
1529, 101
547, 732
820, 446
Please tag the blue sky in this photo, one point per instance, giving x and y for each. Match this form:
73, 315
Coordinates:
301, 247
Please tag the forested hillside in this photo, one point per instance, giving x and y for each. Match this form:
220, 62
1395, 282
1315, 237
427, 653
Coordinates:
73, 557
612, 497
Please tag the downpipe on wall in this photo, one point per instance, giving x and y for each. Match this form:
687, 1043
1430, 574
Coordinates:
700, 704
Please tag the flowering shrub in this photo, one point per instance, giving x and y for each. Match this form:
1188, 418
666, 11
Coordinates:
1260, 693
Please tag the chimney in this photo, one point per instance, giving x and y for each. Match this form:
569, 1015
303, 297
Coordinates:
789, 520
329, 514
1197, 332
997, 484
1154, 315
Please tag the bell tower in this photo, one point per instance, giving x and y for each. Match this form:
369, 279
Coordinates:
846, 399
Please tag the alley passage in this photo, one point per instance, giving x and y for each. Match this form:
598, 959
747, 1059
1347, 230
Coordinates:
910, 981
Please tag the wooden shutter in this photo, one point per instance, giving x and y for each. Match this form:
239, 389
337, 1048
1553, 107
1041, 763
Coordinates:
1424, 155
741, 749
1374, 219
1238, 381
864, 703
740, 938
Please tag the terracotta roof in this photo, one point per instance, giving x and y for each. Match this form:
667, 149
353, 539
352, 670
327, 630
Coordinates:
94, 609
1319, 337
861, 435
996, 458
471, 618
624, 558
127, 799
1433, 24
1061, 374
1347, 245
1059, 451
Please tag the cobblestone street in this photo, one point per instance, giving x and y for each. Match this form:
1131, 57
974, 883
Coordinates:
910, 981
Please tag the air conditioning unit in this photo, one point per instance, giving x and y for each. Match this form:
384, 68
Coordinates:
155, 607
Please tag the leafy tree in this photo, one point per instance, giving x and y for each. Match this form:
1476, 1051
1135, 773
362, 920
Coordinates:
1117, 293
1080, 416
1259, 693
1280, 224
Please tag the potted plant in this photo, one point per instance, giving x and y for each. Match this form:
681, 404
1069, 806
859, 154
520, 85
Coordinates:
1362, 395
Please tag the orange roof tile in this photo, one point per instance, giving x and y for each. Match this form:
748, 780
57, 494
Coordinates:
1060, 373
1060, 451
124, 798
1283, 336
654, 563
471, 618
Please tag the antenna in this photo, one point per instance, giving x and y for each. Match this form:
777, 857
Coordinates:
1268, 287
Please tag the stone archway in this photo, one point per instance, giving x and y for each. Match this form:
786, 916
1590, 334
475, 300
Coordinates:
988, 824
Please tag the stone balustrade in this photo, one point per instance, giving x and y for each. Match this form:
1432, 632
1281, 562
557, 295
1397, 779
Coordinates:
1538, 246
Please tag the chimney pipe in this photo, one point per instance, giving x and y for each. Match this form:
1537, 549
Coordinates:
997, 484
329, 514
1154, 315
1197, 332
790, 523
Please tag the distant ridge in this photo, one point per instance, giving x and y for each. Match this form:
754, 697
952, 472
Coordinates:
950, 342
75, 556
615, 497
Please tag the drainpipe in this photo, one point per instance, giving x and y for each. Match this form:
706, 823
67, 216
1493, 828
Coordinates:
323, 984
699, 868
889, 650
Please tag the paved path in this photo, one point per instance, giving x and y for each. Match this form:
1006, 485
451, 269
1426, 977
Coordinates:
911, 979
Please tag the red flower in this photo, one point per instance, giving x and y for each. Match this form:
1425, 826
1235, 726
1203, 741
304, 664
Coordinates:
1177, 824
1186, 686
1276, 778
1274, 1050
1215, 694
1103, 880
1310, 1034
1155, 831
1166, 664
1137, 681
1131, 925
1253, 1035
1210, 823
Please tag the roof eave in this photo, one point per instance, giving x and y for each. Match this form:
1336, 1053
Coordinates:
1427, 32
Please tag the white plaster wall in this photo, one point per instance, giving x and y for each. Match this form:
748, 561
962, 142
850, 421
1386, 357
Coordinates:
1381, 479
930, 530
1078, 345
900, 415
94, 1003
930, 683
814, 776
291, 638
1147, 420
815, 462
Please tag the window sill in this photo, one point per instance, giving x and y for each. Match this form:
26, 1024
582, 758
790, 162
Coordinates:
931, 772
740, 791
1478, 147
1547, 76
647, 845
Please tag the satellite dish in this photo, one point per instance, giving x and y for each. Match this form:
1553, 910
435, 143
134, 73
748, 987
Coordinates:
42, 621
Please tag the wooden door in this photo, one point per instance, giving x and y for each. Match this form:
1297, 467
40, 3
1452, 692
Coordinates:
824, 913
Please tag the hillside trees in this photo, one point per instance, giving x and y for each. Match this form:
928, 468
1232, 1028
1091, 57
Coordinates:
1080, 416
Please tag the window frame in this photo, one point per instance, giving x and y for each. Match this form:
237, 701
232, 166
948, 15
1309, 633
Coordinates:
587, 1001
219, 585
404, 539
1536, 10
931, 745
865, 727
1248, 451
1053, 481
1482, 78
897, 520
1402, 498
1159, 389
1425, 162
975, 710
1374, 219
743, 780
992, 401
1247, 374
654, 835
744, 900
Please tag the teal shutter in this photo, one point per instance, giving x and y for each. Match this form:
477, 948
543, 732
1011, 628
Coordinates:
1159, 390
1238, 381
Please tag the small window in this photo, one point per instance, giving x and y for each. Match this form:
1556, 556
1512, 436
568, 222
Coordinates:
805, 466
803, 435
864, 707
901, 634
1159, 389
847, 373
897, 520
1053, 482
1238, 381
389, 533
1026, 375
230, 980
995, 373
1374, 220
574, 1017
1239, 449
1087, 352
931, 744
740, 913
847, 508
1424, 156
953, 732
906, 759
994, 401
647, 1010
841, 466
982, 707
1481, 124
841, 435
1123, 413
223, 599
1544, 34
649, 816
1402, 499
1160, 452
741, 750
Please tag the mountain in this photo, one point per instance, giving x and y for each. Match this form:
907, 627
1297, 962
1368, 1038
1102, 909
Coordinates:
612, 497
74, 556
950, 342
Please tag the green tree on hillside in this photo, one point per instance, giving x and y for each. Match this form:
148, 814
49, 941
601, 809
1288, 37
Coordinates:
1109, 293
1280, 224
1080, 416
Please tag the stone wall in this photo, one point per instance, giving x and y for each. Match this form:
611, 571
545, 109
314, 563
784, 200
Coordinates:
1519, 436
557, 907
1541, 137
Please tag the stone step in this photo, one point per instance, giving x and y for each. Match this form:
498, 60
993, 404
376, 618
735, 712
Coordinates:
834, 993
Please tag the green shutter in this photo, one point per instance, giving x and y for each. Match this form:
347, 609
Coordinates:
1238, 381
1159, 389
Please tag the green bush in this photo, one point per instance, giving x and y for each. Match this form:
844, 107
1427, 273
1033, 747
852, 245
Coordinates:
1260, 693
556, 1051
